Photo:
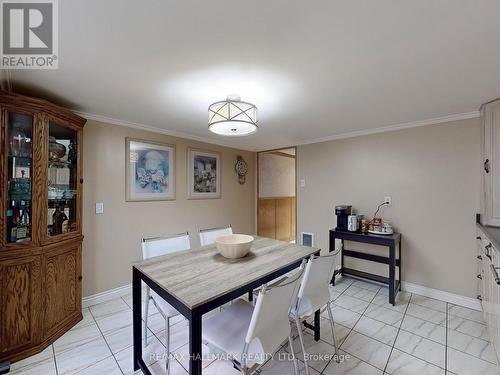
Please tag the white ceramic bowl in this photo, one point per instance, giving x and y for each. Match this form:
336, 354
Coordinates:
234, 246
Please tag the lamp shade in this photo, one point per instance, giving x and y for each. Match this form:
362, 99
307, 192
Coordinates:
232, 117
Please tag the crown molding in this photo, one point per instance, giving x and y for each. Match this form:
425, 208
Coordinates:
357, 133
173, 133
406, 125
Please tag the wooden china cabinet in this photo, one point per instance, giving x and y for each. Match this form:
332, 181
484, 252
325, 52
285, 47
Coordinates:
40, 224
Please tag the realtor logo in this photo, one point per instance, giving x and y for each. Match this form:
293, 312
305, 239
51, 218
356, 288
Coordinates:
29, 34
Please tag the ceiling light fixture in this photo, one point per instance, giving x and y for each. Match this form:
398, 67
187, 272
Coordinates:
232, 117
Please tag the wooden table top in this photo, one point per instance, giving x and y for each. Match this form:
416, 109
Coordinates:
197, 276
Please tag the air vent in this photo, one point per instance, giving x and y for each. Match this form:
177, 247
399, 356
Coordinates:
307, 239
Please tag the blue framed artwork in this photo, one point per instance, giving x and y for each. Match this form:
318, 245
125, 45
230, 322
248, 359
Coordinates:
150, 170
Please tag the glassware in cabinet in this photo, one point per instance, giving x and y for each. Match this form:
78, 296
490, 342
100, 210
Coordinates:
19, 173
62, 180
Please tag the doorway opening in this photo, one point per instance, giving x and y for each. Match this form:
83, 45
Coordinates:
276, 194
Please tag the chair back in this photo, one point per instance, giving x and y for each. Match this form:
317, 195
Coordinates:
313, 290
270, 323
157, 246
208, 236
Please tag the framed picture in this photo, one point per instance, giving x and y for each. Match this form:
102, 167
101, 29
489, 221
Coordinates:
204, 174
150, 170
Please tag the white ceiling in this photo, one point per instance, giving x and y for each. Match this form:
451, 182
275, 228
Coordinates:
314, 69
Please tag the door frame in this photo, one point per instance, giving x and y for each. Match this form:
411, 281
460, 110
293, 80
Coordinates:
258, 187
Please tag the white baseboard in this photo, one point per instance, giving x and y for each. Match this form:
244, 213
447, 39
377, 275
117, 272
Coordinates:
456, 299
105, 296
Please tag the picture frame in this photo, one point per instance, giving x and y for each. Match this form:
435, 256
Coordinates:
204, 172
149, 170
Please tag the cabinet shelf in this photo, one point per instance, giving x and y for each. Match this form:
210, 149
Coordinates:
61, 203
24, 158
61, 164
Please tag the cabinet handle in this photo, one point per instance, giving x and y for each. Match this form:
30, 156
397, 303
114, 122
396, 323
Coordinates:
478, 238
479, 257
495, 274
487, 165
488, 249
479, 277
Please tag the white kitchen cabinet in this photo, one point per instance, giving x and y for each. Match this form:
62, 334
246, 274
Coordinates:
490, 122
495, 298
489, 290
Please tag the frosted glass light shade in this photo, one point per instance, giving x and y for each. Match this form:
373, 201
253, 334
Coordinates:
232, 117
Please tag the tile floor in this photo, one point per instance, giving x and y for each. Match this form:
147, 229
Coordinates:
418, 336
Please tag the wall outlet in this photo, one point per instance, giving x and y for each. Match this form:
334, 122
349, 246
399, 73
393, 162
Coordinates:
99, 208
388, 200
303, 182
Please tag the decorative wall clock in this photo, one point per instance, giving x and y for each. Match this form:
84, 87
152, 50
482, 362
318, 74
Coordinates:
241, 169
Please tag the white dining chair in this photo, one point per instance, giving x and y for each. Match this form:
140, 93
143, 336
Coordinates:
208, 236
248, 334
153, 247
314, 295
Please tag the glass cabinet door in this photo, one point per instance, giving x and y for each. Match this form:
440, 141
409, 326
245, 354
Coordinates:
19, 171
62, 179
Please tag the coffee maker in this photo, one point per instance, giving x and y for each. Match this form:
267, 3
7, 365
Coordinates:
342, 212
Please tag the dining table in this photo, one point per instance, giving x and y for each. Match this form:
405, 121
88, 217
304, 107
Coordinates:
199, 280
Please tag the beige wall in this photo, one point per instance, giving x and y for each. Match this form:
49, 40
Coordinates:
112, 240
276, 176
432, 174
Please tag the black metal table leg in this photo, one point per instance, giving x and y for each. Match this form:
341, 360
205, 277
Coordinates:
195, 354
332, 248
342, 257
250, 296
335, 273
317, 325
392, 274
400, 263
137, 320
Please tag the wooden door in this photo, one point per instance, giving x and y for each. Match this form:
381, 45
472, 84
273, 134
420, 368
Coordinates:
283, 219
20, 303
277, 218
267, 218
62, 291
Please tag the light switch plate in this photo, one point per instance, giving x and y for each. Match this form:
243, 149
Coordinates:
99, 208
303, 182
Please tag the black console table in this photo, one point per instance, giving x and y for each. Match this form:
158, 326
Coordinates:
393, 242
